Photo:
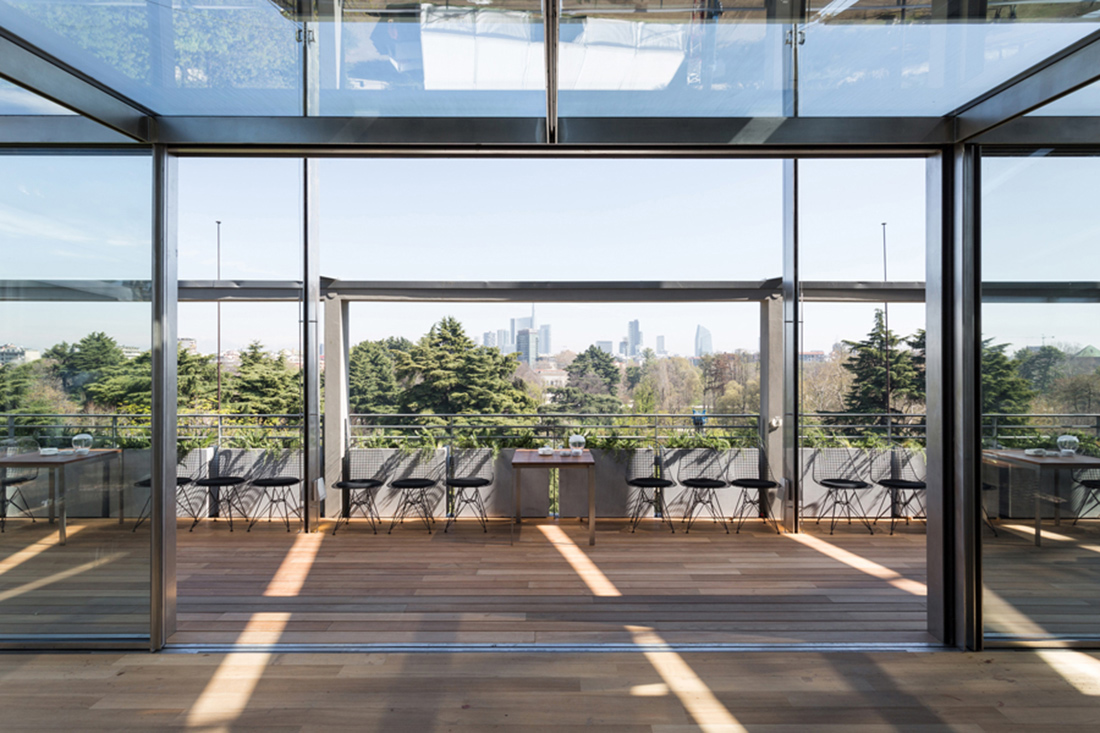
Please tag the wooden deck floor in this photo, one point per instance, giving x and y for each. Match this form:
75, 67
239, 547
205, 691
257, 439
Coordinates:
775, 692
269, 586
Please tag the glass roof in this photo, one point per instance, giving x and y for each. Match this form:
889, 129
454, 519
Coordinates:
616, 58
15, 100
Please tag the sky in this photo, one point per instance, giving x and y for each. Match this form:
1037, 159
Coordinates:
73, 216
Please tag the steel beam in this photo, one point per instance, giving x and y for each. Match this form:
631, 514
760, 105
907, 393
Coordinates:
47, 77
1042, 131
1075, 67
72, 130
163, 413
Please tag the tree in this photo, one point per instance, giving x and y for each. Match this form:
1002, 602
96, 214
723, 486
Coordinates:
263, 385
85, 362
1040, 368
1003, 390
675, 384
574, 399
372, 381
1079, 393
867, 363
445, 372
594, 361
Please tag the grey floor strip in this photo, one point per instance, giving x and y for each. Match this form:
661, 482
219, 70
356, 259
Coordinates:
542, 648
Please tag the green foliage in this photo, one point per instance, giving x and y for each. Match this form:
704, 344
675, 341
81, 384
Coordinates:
372, 380
447, 373
84, 363
594, 371
1040, 368
263, 384
868, 365
1003, 390
575, 400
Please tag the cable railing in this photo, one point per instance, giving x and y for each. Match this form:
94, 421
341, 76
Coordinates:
614, 430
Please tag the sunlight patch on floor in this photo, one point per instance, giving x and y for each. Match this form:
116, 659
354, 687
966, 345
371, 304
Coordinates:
292, 573
59, 576
35, 549
861, 564
582, 565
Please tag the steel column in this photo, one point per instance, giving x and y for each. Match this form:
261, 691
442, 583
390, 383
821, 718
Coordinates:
311, 382
164, 353
337, 345
792, 463
772, 371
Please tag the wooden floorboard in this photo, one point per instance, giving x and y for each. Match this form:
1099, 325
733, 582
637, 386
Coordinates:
774, 692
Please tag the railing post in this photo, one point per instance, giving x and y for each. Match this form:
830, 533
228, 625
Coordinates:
11, 426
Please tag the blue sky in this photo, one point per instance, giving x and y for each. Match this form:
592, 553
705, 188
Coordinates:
523, 219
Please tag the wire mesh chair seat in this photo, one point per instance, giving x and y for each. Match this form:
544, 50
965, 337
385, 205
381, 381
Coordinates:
371, 472
471, 469
1088, 478
645, 472
702, 471
839, 471
749, 472
905, 487
147, 483
420, 474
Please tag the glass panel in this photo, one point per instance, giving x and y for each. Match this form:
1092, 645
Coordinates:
468, 58
1041, 413
222, 57
1085, 102
865, 58
591, 220
74, 310
15, 100
622, 59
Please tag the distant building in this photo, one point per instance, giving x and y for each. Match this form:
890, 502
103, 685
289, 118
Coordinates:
606, 346
503, 343
132, 352
553, 378
624, 345
519, 324
1087, 358
16, 355
703, 345
489, 339
527, 344
661, 345
188, 345
633, 338
544, 339
811, 356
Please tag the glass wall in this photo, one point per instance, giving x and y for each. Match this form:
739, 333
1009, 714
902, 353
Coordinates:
75, 382
1041, 397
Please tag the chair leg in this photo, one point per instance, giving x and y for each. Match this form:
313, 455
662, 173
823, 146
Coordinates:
636, 514
1090, 502
144, 513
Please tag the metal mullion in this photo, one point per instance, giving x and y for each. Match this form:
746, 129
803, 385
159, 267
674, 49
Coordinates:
311, 382
551, 19
164, 387
792, 464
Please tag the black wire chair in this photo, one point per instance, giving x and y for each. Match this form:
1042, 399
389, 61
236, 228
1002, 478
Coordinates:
470, 470
645, 472
749, 472
147, 483
11, 492
906, 490
276, 473
371, 470
703, 472
416, 479
1089, 478
839, 470
223, 488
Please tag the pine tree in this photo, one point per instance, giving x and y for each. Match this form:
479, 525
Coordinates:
263, 385
372, 382
867, 363
594, 361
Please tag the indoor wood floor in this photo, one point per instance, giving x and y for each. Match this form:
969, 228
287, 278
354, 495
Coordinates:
775, 692
269, 586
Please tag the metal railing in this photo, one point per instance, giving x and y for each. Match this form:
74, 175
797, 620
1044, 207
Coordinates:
134, 430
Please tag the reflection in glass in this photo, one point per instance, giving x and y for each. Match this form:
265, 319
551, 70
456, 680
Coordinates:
15, 100
223, 57
1085, 102
685, 60
74, 396
477, 58
1041, 396
861, 58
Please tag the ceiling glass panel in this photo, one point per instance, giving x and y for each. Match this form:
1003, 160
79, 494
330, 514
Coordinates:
470, 58
893, 58
176, 57
15, 100
671, 58
1085, 102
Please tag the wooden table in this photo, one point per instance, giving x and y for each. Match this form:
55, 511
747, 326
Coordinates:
1040, 465
525, 458
57, 465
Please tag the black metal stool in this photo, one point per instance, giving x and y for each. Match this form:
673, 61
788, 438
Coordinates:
218, 483
365, 502
749, 472
471, 471
276, 489
645, 472
147, 483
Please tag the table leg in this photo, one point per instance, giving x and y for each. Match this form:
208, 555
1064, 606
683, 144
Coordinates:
1057, 495
53, 494
591, 505
515, 506
61, 498
1038, 520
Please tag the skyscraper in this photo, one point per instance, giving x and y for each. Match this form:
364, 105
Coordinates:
633, 338
661, 345
503, 343
702, 342
489, 339
544, 339
527, 344
519, 324
607, 346
624, 347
